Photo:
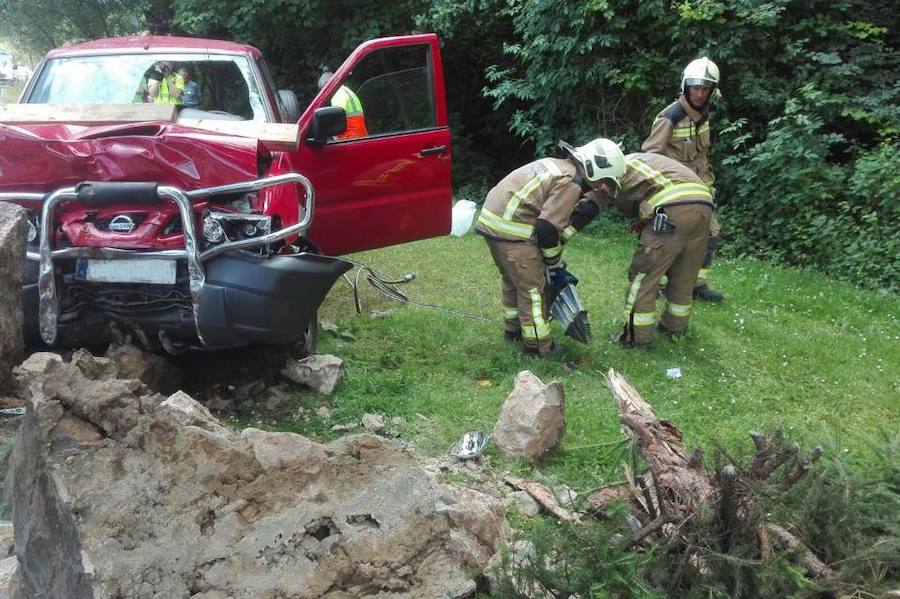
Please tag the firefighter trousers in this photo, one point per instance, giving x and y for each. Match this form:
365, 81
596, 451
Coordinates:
679, 253
712, 244
522, 281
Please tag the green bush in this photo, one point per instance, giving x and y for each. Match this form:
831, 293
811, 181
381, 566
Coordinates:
806, 196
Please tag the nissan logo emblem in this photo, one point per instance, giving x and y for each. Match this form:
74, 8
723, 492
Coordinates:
121, 224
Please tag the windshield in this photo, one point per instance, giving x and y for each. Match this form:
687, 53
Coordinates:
222, 85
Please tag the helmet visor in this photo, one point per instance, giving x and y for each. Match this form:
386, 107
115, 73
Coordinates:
701, 82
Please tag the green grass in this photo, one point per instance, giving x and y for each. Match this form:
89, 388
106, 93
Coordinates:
787, 348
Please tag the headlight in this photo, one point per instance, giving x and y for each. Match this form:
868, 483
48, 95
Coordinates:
227, 226
213, 230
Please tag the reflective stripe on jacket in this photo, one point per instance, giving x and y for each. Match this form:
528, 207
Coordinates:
543, 189
653, 180
682, 133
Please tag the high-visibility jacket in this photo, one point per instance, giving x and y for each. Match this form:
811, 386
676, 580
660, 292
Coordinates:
166, 90
545, 189
682, 133
654, 180
356, 120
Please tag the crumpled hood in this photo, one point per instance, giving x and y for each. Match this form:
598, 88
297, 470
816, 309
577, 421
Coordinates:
45, 157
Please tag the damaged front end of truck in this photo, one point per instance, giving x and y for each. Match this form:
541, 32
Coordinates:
176, 238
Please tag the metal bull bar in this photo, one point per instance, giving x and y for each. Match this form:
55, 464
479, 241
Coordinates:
132, 192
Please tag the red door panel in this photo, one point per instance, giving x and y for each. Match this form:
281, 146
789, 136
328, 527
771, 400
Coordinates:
393, 185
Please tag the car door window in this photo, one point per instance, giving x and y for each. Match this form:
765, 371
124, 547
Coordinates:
391, 89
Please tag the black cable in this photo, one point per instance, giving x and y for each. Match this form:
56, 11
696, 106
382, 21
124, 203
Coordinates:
388, 287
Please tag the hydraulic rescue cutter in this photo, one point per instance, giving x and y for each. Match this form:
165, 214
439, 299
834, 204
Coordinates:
570, 313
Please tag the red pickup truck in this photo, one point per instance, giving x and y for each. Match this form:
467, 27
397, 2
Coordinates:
191, 239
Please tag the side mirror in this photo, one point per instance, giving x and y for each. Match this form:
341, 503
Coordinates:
290, 105
327, 122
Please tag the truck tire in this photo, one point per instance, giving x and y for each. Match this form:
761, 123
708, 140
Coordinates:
290, 105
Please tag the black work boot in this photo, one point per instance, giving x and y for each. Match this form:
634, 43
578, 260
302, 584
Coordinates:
706, 294
512, 335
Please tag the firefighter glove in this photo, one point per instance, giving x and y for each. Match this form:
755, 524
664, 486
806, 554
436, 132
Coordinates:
558, 277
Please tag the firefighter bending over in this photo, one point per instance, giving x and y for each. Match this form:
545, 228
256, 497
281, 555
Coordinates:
681, 132
674, 208
526, 220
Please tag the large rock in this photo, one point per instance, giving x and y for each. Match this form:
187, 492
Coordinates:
152, 370
320, 373
13, 229
532, 420
116, 492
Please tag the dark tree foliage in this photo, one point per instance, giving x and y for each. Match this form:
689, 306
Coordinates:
807, 129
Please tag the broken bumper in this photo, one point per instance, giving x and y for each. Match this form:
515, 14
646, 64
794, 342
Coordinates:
235, 298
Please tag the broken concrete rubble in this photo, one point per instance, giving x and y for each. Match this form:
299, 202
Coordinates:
118, 492
13, 229
373, 422
152, 370
320, 373
532, 419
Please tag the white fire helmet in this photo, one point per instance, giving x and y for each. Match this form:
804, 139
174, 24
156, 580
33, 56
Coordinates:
601, 159
702, 71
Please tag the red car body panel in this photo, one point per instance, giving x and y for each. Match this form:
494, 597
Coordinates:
154, 43
159, 152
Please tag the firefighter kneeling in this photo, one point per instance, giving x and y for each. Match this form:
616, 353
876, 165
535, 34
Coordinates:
526, 220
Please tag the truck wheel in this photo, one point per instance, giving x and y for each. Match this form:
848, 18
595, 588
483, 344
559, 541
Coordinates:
306, 346
290, 104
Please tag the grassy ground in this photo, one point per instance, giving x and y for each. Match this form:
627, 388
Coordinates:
787, 348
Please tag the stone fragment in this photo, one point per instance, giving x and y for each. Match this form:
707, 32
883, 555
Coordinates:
526, 505
320, 373
532, 419
343, 428
373, 422
13, 230
154, 371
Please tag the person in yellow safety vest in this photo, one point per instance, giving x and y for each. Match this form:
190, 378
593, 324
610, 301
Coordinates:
163, 84
674, 208
681, 132
526, 220
345, 98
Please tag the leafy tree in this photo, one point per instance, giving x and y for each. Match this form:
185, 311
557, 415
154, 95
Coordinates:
36, 26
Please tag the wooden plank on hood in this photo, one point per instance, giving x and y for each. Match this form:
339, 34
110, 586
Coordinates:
86, 114
284, 137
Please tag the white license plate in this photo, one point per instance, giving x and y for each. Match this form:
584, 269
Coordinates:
153, 271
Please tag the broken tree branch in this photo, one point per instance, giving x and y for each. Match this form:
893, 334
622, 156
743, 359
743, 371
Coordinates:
544, 496
779, 460
728, 517
765, 544
791, 478
660, 443
649, 529
805, 557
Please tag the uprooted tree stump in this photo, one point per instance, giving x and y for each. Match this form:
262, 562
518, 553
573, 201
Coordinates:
678, 500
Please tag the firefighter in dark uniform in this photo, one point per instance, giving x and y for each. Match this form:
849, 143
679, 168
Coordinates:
674, 208
681, 132
526, 220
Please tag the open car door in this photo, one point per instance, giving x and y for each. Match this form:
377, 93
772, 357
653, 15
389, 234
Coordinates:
386, 179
